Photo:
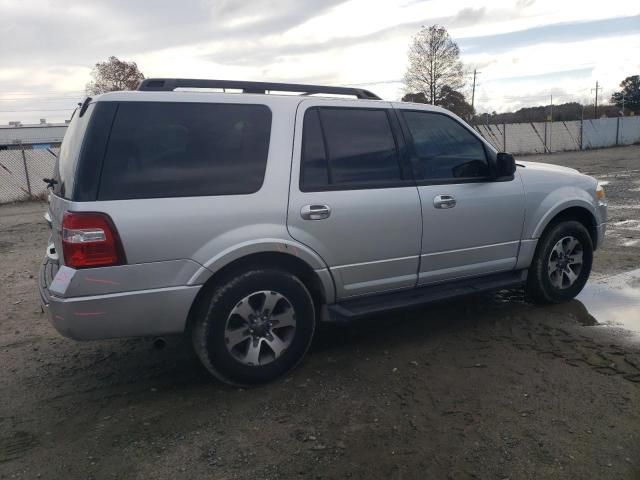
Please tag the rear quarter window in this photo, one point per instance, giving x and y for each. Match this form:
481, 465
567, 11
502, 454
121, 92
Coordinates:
163, 149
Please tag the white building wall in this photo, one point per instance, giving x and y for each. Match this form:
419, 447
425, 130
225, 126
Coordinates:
32, 134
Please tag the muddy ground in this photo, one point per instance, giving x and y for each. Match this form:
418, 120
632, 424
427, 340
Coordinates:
488, 387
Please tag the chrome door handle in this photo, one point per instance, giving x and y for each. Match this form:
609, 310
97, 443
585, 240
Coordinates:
444, 201
315, 212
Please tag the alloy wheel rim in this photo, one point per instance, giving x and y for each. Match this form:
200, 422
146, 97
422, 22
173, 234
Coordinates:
565, 262
260, 328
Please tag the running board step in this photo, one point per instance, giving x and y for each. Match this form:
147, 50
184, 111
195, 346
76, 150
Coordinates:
360, 307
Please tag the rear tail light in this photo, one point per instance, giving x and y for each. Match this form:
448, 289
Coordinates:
90, 240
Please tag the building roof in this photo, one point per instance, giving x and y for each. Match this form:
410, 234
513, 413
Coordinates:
32, 133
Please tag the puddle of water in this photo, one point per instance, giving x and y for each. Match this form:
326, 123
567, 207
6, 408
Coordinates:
630, 243
614, 301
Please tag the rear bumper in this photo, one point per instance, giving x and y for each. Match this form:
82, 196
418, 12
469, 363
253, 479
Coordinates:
153, 312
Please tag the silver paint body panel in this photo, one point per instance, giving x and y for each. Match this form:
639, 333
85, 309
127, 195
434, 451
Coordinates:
374, 240
371, 240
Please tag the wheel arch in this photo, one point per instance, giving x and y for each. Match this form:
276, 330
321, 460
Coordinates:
579, 212
319, 283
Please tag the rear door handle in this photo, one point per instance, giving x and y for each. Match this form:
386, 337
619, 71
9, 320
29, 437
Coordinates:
315, 212
444, 201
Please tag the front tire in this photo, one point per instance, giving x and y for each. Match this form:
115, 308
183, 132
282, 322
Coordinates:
257, 327
561, 264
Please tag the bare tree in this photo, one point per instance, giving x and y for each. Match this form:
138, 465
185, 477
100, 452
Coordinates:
433, 63
114, 75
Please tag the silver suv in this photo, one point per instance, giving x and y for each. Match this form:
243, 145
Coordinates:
243, 218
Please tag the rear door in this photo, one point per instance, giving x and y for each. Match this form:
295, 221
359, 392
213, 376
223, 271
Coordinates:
472, 224
352, 199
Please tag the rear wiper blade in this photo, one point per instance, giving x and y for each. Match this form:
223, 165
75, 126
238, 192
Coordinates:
51, 182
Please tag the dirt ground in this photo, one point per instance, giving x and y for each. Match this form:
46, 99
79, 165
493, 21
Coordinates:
487, 387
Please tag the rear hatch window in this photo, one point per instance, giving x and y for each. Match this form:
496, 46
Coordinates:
166, 149
65, 170
77, 170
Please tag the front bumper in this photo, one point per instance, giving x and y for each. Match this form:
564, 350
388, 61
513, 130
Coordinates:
160, 311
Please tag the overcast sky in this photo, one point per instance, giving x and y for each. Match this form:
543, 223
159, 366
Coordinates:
524, 49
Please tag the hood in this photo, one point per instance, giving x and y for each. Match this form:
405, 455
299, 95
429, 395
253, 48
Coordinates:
547, 167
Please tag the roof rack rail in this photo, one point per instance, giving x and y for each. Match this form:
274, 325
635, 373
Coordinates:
170, 84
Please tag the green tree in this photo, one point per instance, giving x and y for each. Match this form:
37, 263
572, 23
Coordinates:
114, 75
452, 100
415, 98
631, 93
455, 102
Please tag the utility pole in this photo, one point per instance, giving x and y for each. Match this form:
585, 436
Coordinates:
473, 90
623, 104
595, 111
550, 123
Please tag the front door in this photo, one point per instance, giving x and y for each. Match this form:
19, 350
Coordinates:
472, 224
352, 199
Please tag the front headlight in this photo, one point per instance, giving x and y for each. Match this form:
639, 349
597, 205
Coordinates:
600, 192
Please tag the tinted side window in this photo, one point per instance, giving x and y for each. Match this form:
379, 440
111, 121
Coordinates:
315, 173
162, 149
444, 149
359, 149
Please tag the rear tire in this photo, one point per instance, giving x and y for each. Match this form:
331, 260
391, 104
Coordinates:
257, 327
561, 264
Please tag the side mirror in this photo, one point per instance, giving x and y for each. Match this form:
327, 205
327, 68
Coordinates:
505, 165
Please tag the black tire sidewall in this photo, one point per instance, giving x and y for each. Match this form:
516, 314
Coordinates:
544, 285
226, 299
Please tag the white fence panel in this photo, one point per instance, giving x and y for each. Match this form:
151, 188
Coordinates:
548, 137
563, 136
492, 134
599, 133
525, 138
629, 131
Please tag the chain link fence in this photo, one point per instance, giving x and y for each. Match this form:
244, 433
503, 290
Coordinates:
548, 137
22, 171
